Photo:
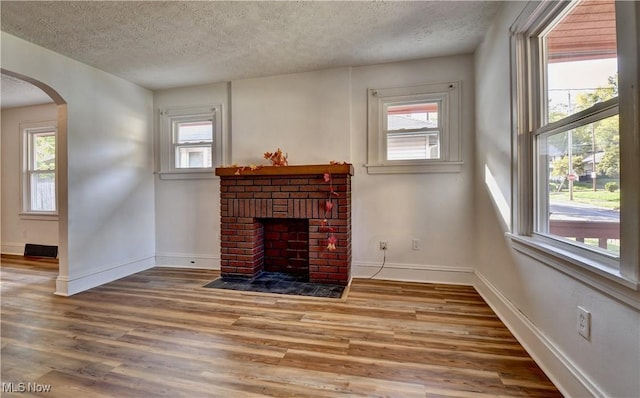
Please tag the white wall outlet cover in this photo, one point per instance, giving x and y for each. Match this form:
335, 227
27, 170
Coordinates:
584, 323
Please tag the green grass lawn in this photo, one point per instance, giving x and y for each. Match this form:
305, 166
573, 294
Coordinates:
600, 198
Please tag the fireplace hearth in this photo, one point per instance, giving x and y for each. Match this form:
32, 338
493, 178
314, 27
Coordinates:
274, 219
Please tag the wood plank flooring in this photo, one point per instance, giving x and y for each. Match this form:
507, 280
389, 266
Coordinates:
159, 333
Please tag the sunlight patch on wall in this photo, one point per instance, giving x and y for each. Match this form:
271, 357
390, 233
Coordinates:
498, 198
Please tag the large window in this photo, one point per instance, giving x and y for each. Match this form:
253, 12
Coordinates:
39, 170
569, 132
578, 140
414, 129
191, 142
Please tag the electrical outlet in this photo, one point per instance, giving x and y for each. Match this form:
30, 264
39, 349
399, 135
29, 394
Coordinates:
383, 245
415, 244
584, 323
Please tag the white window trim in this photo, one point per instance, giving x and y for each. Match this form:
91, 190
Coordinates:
450, 146
592, 268
166, 160
26, 129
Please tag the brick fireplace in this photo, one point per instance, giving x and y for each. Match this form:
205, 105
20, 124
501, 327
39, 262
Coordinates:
275, 219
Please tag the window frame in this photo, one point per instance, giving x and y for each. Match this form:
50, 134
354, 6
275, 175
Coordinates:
599, 269
27, 159
448, 96
167, 169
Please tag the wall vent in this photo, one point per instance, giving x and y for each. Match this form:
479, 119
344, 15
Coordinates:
32, 250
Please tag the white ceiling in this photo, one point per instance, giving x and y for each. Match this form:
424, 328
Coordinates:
169, 44
16, 92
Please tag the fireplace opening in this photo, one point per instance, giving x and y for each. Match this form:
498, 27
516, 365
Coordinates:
286, 246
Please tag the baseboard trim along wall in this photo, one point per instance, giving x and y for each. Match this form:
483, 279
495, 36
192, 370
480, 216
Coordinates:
70, 285
559, 368
180, 260
16, 249
413, 273
364, 270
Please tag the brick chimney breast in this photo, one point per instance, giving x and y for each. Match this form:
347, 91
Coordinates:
263, 214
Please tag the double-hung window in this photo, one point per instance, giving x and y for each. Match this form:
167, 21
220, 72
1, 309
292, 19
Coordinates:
191, 142
414, 129
575, 72
39, 170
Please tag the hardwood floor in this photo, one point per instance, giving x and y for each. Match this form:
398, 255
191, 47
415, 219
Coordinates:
159, 333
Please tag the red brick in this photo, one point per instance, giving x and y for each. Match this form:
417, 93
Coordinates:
306, 201
318, 195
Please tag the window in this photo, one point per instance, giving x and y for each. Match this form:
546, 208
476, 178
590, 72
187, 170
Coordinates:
191, 142
39, 170
569, 127
414, 129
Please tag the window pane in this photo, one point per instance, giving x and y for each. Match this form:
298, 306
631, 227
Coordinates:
581, 59
194, 132
584, 199
193, 157
412, 116
43, 191
44, 151
413, 146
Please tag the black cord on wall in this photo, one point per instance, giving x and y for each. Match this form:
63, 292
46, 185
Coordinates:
384, 260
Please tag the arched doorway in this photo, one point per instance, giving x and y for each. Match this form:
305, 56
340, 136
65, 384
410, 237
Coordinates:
33, 106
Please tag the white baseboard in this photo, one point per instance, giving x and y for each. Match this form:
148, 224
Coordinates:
180, 260
566, 376
69, 285
12, 248
413, 272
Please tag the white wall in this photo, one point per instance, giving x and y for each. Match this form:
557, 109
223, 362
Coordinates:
537, 302
320, 116
188, 211
436, 209
304, 114
16, 230
107, 226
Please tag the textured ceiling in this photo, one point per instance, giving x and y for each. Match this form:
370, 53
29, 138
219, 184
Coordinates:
16, 92
168, 44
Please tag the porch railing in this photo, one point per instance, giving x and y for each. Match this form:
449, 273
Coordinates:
581, 230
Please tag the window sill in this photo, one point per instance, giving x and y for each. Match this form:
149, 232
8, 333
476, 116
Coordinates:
206, 174
39, 216
584, 269
414, 167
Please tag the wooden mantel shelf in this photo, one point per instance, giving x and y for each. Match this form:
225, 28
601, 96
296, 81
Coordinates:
313, 169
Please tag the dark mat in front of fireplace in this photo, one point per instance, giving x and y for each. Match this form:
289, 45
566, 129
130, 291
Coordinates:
279, 283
